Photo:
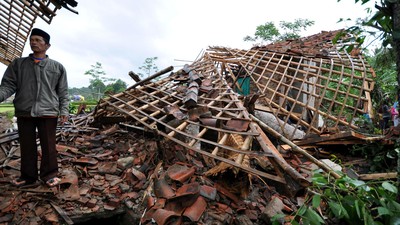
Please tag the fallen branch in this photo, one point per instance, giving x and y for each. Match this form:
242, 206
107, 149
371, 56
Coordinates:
376, 176
62, 213
159, 73
296, 148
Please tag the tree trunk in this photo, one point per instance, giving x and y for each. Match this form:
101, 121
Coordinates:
396, 37
396, 45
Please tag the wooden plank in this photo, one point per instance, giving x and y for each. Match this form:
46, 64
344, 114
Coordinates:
62, 213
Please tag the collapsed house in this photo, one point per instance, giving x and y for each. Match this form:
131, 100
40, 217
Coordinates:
222, 140
291, 94
230, 106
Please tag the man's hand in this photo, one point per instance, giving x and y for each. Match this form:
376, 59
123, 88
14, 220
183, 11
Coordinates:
63, 119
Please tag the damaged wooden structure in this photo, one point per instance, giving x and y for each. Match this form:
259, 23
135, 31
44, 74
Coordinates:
17, 18
309, 85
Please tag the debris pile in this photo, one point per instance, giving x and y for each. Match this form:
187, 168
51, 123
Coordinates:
185, 147
111, 171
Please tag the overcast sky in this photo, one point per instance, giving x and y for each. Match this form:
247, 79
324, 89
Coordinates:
122, 34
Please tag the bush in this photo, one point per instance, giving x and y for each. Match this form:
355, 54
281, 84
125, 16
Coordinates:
349, 201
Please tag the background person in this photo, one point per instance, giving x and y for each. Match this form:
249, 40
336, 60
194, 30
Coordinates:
41, 96
395, 114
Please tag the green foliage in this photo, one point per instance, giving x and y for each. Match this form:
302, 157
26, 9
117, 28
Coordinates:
383, 62
378, 25
97, 74
381, 158
349, 201
268, 32
116, 87
72, 108
10, 114
291, 30
381, 25
149, 67
98, 82
97, 79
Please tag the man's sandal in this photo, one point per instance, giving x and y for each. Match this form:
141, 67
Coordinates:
53, 182
21, 183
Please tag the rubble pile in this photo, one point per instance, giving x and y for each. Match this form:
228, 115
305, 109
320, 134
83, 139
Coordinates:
187, 148
113, 170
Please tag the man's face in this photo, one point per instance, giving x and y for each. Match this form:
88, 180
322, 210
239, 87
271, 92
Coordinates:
38, 44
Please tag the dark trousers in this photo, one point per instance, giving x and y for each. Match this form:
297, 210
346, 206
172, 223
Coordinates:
385, 123
46, 128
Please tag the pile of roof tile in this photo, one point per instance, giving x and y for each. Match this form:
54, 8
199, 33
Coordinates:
113, 170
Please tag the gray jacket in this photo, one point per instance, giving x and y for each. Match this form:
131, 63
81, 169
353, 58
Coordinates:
41, 89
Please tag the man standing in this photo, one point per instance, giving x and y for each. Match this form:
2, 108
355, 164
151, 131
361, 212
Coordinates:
41, 96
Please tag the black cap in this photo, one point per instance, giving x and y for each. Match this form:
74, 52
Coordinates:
39, 32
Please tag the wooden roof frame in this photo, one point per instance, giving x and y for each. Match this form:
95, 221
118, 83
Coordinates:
188, 105
17, 18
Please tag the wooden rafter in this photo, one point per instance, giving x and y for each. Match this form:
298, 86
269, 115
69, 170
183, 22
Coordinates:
17, 18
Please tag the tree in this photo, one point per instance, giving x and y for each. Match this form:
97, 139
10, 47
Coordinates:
97, 80
268, 32
116, 87
384, 24
149, 67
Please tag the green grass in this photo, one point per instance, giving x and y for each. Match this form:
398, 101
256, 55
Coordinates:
6, 107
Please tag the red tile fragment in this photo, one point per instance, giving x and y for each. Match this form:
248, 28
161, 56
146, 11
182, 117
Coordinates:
197, 209
211, 122
150, 201
251, 214
185, 197
162, 216
224, 208
162, 189
83, 200
64, 148
6, 204
138, 174
179, 204
180, 173
113, 202
208, 192
130, 195
237, 124
160, 203
188, 189
196, 113
175, 111
91, 203
107, 167
86, 160
108, 207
